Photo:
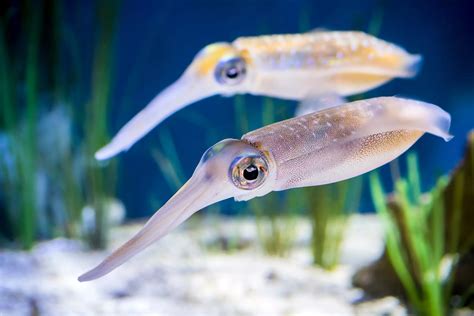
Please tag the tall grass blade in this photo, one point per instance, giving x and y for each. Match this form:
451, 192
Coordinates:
28, 157
242, 123
329, 209
100, 179
393, 240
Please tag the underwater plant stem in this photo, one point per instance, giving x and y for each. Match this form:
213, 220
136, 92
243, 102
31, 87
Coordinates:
268, 112
459, 185
6, 98
28, 159
304, 19
393, 241
426, 249
167, 168
453, 246
169, 147
73, 197
242, 123
168, 161
411, 219
414, 176
7, 121
375, 23
329, 209
58, 78
100, 179
425, 266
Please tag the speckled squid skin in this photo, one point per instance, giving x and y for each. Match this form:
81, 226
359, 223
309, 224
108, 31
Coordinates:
319, 49
337, 163
345, 141
321, 61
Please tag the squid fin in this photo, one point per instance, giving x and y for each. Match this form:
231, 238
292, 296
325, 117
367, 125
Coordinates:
404, 114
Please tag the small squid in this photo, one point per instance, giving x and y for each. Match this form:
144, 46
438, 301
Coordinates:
293, 67
331, 145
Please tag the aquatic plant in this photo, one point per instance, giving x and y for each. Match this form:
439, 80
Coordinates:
168, 161
22, 212
100, 179
276, 222
329, 208
41, 169
414, 229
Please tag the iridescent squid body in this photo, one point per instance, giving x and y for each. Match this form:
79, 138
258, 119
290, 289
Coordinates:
296, 67
331, 145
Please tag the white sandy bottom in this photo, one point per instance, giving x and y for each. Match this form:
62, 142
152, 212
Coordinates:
178, 276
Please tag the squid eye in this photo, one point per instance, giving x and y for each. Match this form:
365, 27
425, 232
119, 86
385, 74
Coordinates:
248, 172
230, 71
251, 173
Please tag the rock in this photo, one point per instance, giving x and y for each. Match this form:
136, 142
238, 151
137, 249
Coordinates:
378, 279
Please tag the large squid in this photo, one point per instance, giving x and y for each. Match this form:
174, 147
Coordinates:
331, 145
294, 67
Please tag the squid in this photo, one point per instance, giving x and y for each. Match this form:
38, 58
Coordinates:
293, 67
333, 144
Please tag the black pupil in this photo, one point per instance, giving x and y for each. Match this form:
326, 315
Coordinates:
232, 73
251, 173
